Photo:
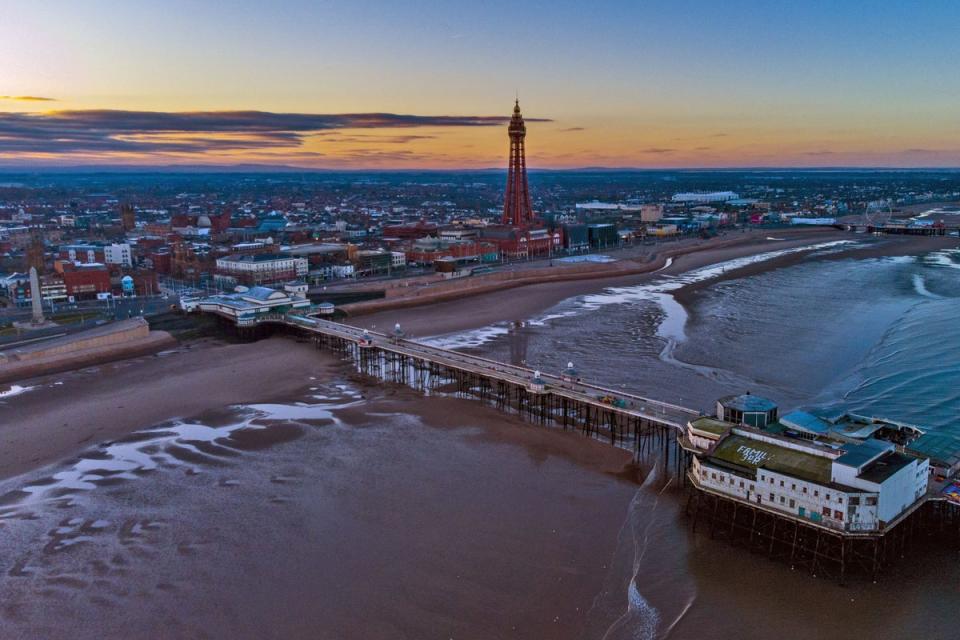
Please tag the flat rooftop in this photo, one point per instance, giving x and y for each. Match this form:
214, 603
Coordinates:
860, 453
753, 454
884, 467
256, 257
711, 425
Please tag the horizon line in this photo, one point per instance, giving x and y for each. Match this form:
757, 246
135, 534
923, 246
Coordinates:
285, 168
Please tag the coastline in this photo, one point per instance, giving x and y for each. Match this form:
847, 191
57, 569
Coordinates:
59, 415
638, 260
91, 404
519, 303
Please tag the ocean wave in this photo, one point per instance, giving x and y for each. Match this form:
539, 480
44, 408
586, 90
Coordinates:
14, 390
674, 317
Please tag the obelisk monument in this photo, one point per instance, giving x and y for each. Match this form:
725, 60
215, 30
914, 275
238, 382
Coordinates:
36, 297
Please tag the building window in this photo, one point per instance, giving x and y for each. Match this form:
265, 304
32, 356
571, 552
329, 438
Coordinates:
781, 500
713, 476
854, 501
771, 497
840, 499
826, 511
804, 489
871, 501
793, 487
828, 497
781, 483
838, 515
792, 503
751, 488
741, 484
816, 494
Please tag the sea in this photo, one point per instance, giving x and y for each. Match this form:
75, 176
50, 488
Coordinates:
363, 512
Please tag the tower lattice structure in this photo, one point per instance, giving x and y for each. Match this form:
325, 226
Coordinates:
517, 210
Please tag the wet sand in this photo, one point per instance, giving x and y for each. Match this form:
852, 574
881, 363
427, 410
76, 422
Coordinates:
522, 302
65, 412
402, 517
408, 517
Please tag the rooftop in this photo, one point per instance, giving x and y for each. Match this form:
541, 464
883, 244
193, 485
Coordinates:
884, 467
711, 425
256, 257
748, 403
263, 293
859, 454
803, 421
753, 454
940, 447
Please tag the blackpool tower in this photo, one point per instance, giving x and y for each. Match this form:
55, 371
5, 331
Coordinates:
516, 206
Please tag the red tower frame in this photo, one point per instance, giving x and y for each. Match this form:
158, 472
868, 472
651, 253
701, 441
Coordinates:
517, 210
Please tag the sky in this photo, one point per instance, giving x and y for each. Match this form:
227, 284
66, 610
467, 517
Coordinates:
395, 85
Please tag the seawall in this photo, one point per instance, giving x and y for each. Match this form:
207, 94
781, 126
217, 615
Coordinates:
114, 341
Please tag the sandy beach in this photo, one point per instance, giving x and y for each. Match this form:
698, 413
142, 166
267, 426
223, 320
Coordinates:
522, 302
63, 413
357, 509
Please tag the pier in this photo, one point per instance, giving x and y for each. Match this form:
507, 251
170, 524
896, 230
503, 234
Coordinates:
625, 420
652, 430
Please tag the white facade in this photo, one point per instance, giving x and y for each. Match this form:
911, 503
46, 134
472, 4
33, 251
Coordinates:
86, 255
118, 254
279, 264
705, 197
398, 259
863, 496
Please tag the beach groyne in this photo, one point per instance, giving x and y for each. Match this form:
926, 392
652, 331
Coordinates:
114, 341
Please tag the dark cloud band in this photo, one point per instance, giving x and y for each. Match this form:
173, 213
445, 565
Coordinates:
113, 131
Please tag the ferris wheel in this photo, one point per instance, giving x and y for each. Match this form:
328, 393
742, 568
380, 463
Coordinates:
878, 213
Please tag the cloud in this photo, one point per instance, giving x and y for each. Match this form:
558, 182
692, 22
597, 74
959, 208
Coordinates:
329, 136
819, 153
658, 150
28, 98
702, 148
105, 131
568, 129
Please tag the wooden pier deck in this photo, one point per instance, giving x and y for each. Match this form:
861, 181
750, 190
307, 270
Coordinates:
624, 419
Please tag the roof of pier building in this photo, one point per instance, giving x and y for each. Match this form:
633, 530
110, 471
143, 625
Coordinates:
751, 454
885, 467
861, 454
748, 403
711, 425
263, 294
941, 447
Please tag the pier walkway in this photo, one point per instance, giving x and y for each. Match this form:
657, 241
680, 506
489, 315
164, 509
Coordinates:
623, 418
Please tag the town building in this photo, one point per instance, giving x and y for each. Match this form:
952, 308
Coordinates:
260, 268
854, 485
118, 254
703, 197
246, 305
85, 280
